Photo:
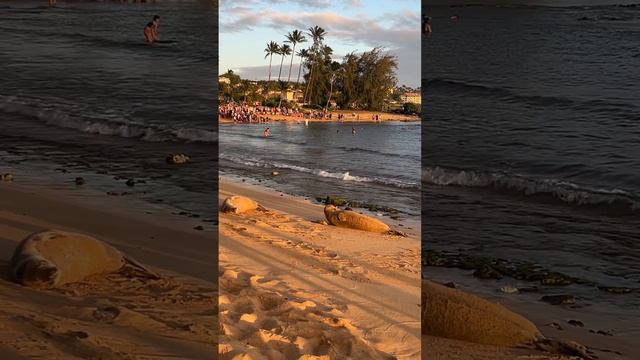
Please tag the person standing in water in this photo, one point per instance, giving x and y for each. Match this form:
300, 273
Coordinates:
426, 25
267, 133
156, 26
148, 33
353, 131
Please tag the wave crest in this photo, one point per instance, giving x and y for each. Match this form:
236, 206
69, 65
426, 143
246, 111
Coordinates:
344, 176
560, 190
105, 124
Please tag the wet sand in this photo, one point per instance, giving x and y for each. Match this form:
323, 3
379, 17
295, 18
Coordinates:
109, 316
292, 286
551, 320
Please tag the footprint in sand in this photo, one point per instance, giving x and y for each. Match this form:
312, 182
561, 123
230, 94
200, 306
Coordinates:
261, 323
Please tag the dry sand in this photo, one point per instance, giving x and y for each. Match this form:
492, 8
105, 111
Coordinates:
116, 316
291, 287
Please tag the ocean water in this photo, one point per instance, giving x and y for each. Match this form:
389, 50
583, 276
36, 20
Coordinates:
82, 95
531, 145
379, 165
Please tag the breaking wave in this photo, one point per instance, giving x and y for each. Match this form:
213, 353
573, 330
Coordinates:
616, 200
344, 176
105, 124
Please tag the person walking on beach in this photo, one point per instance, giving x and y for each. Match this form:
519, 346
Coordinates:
267, 133
148, 33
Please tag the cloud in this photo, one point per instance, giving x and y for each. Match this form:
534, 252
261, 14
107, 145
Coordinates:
261, 72
397, 31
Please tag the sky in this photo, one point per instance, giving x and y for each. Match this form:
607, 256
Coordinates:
352, 26
535, 2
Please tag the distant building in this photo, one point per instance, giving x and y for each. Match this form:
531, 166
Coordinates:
411, 97
293, 95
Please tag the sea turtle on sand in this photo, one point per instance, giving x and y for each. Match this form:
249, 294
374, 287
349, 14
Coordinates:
353, 220
454, 314
239, 204
51, 258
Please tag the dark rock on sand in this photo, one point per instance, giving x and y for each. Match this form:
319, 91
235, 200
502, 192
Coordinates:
487, 272
490, 268
529, 289
177, 159
79, 180
555, 278
576, 323
131, 182
617, 289
199, 227
555, 325
559, 299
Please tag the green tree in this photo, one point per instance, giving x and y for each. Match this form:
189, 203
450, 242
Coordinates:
377, 76
295, 37
231, 88
272, 48
285, 50
317, 35
303, 54
348, 82
411, 108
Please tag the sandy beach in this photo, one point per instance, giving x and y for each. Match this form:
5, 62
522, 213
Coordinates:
114, 316
292, 287
361, 116
553, 322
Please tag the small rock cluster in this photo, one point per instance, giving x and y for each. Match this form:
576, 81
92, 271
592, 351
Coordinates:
177, 159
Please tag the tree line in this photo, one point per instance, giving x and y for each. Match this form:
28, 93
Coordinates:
360, 81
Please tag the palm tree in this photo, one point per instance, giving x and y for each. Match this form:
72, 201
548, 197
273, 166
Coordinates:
333, 78
303, 54
285, 50
283, 87
317, 34
272, 48
294, 37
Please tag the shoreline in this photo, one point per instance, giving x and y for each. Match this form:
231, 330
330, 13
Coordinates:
172, 316
321, 274
409, 223
615, 342
364, 117
148, 195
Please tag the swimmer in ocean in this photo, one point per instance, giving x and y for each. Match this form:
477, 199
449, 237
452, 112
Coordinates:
156, 25
148, 33
426, 25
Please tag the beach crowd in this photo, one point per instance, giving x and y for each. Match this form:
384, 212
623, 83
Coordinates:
246, 113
